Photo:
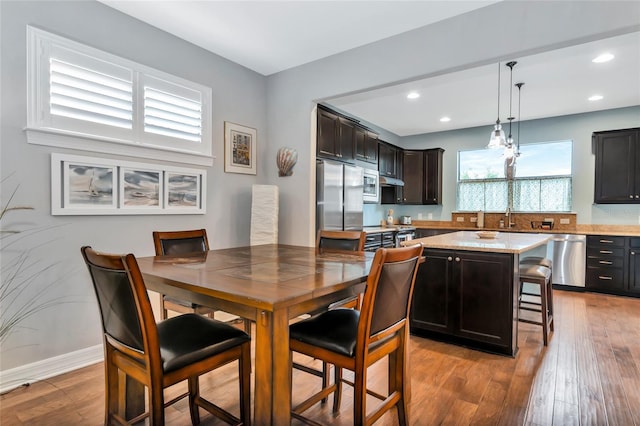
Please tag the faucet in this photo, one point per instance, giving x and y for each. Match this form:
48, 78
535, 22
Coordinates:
508, 216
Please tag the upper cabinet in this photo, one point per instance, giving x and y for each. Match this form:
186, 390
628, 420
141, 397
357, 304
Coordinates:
617, 174
422, 176
335, 137
388, 160
366, 145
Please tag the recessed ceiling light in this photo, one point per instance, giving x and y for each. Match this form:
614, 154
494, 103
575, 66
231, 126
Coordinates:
595, 97
445, 119
605, 57
413, 95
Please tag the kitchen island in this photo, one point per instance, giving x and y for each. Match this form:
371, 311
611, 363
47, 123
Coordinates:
466, 291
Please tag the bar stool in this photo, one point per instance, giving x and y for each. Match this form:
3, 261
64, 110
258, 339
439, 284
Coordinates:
537, 273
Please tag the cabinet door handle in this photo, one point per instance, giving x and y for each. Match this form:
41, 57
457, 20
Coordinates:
606, 241
605, 262
633, 253
457, 259
449, 258
606, 251
603, 277
630, 196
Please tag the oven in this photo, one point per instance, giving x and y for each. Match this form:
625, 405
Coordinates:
405, 234
371, 187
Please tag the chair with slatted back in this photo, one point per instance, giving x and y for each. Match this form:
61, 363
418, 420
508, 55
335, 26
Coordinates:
355, 339
182, 242
163, 354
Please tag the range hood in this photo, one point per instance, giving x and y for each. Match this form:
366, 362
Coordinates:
389, 181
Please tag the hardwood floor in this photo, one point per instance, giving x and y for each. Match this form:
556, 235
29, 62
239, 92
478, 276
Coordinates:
588, 375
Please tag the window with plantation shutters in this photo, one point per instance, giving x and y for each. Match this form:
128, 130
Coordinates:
84, 98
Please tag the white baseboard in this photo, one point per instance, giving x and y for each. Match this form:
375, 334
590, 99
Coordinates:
50, 367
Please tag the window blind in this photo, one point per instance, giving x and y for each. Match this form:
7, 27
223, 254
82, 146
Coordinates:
85, 94
171, 115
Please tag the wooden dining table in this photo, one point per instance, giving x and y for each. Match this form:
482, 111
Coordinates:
270, 285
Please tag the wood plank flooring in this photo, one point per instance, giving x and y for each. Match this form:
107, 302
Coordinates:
588, 375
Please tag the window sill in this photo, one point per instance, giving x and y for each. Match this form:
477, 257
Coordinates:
113, 146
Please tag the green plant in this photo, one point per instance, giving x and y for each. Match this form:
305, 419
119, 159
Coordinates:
21, 277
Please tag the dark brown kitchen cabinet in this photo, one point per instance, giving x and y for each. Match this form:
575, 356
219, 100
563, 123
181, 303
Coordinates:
366, 145
466, 296
335, 136
433, 176
617, 172
388, 159
613, 264
413, 176
634, 265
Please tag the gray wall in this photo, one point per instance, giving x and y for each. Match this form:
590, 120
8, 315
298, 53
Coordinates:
239, 95
281, 107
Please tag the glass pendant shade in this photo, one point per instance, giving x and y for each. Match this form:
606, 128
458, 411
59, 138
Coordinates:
497, 139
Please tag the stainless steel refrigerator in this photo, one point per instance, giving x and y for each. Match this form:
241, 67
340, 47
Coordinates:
339, 195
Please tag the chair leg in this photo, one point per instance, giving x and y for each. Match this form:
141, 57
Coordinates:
112, 388
550, 302
544, 312
156, 404
163, 311
359, 398
326, 371
194, 392
337, 395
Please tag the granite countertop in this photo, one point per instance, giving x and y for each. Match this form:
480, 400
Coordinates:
378, 229
505, 242
614, 230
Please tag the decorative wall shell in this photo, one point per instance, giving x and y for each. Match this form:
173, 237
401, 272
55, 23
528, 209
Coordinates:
286, 159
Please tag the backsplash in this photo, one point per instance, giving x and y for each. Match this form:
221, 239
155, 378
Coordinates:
520, 221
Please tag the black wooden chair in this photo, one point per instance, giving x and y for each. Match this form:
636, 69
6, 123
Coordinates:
160, 355
182, 242
355, 339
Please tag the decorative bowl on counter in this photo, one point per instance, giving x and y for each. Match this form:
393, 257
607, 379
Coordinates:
487, 234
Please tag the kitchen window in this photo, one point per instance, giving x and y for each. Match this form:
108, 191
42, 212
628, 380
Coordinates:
542, 181
81, 97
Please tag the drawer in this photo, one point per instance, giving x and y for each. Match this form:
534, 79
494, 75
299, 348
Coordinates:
372, 242
605, 278
605, 240
634, 242
605, 262
388, 238
604, 252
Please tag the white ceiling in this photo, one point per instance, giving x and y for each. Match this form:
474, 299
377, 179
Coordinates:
271, 36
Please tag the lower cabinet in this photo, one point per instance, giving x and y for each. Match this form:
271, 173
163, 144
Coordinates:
467, 297
613, 264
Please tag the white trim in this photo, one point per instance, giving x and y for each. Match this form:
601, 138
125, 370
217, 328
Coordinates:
105, 146
41, 370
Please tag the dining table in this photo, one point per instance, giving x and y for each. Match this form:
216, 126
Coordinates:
270, 285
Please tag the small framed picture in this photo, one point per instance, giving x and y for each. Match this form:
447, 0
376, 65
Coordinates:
87, 185
183, 190
239, 149
140, 188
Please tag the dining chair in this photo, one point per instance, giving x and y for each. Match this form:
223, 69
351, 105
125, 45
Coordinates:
163, 354
177, 243
355, 339
335, 241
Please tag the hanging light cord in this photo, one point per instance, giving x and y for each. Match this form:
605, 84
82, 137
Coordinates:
498, 119
510, 118
519, 86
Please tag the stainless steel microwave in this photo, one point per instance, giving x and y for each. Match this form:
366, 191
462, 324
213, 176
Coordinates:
371, 185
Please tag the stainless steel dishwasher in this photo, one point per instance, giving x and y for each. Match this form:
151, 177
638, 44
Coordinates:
569, 254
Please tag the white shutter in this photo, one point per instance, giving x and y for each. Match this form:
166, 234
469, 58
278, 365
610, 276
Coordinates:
172, 115
82, 93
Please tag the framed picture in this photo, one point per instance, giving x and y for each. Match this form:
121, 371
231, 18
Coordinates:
99, 186
183, 190
239, 149
140, 188
88, 185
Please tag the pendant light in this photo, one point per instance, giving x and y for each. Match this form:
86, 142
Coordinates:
497, 139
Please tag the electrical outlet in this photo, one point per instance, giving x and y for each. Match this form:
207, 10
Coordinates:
419, 216
548, 219
460, 219
474, 219
430, 216
565, 221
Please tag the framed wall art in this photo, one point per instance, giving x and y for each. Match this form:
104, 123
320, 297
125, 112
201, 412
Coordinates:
99, 186
239, 149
